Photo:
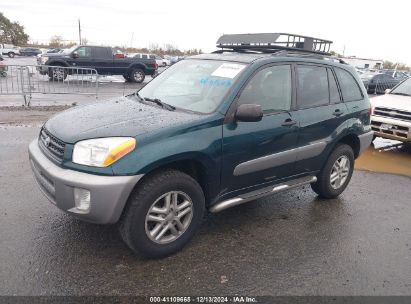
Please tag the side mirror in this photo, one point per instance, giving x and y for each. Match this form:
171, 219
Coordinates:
249, 113
74, 55
387, 91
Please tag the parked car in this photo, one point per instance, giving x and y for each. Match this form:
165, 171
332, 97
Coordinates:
159, 60
52, 51
30, 51
396, 74
210, 132
95, 57
391, 116
378, 82
9, 50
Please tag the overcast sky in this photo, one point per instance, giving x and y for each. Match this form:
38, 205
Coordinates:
370, 29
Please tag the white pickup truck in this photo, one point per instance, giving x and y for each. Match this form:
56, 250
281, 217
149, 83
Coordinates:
9, 50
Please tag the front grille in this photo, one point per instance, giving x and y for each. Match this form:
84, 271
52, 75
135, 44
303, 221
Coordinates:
393, 113
51, 145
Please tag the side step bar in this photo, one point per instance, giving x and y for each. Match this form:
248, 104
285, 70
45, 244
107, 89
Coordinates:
244, 198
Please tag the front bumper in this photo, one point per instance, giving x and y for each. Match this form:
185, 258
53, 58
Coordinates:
108, 194
395, 129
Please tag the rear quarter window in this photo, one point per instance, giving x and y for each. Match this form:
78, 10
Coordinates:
349, 87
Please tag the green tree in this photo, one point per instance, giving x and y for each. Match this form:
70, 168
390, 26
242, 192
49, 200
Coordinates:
12, 32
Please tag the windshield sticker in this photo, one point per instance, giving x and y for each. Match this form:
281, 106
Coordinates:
215, 82
228, 70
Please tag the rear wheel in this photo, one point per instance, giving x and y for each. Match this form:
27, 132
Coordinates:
137, 75
336, 174
11, 54
162, 214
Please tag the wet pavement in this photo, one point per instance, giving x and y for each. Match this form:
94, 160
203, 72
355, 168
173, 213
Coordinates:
386, 156
289, 244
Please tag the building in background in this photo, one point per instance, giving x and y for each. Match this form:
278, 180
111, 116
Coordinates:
364, 63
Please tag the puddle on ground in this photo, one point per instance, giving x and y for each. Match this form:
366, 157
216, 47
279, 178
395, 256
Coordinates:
386, 156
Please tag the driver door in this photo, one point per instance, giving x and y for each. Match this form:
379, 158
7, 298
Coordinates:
258, 153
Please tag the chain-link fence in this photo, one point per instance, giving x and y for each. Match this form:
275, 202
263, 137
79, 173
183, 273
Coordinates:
31, 79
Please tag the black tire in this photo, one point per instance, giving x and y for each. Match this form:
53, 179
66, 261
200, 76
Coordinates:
57, 74
11, 54
133, 223
164, 64
137, 75
323, 187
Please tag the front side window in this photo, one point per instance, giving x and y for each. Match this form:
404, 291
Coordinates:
144, 56
349, 87
84, 51
270, 88
195, 85
312, 88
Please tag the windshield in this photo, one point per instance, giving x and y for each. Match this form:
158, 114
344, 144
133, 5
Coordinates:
195, 85
404, 88
68, 51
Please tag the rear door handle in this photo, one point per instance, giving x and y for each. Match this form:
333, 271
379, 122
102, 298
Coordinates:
338, 112
288, 122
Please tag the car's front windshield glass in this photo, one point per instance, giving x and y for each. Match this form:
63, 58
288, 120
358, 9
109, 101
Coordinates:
68, 51
193, 84
403, 89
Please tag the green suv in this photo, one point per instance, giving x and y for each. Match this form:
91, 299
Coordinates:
213, 131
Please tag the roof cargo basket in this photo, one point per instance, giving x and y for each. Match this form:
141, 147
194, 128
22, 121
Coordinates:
274, 42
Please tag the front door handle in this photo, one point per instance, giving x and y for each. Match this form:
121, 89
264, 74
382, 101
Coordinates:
288, 122
338, 112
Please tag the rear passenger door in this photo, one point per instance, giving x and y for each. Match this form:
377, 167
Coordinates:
321, 113
258, 153
103, 60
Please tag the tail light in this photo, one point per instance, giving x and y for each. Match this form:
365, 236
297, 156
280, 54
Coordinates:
155, 66
371, 109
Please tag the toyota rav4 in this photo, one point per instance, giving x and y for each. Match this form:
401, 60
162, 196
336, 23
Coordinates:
213, 131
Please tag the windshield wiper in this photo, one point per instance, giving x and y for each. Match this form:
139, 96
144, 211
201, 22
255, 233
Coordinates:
160, 103
156, 101
402, 94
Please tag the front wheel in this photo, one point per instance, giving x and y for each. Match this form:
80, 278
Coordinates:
57, 74
11, 54
336, 174
162, 214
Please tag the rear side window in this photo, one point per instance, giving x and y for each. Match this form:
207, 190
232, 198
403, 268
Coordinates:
349, 86
312, 88
144, 56
334, 94
101, 52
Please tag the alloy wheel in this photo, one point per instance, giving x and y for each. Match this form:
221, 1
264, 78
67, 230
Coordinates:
169, 217
339, 172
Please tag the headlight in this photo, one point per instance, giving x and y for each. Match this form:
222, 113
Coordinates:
102, 152
44, 59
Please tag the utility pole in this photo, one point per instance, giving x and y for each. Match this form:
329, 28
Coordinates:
344, 51
79, 32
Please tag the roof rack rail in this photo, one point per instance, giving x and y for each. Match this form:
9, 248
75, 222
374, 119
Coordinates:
274, 42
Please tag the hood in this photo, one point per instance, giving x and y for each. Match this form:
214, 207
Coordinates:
124, 116
392, 101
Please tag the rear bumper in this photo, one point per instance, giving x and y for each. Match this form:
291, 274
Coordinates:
108, 194
398, 130
365, 140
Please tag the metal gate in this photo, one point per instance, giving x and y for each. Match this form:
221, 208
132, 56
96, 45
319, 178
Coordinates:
26, 80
